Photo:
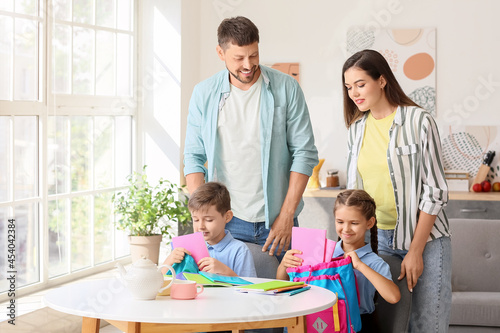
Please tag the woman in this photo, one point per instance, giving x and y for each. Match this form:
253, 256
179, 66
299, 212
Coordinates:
394, 155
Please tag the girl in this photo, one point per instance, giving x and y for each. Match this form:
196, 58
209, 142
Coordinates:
395, 155
354, 212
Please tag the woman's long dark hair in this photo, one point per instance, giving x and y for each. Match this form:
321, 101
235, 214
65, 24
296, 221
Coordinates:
361, 200
375, 65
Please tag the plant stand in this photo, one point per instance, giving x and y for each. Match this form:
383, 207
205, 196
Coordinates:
145, 246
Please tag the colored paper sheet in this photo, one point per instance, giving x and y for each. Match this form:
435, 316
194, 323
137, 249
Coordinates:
234, 280
200, 279
194, 243
330, 248
311, 242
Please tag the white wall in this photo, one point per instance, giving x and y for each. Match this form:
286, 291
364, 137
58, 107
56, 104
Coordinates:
313, 34
159, 88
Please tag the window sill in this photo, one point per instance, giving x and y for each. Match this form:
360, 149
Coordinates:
32, 315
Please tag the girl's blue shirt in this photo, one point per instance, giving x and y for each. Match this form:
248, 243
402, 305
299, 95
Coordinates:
365, 287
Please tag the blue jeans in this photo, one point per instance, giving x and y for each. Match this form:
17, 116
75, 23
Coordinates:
253, 232
431, 297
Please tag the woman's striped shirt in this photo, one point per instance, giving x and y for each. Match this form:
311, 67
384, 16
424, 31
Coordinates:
416, 170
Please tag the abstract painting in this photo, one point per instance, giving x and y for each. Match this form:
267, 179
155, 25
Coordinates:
411, 54
290, 68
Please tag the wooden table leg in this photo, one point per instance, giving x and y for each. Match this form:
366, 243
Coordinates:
133, 327
90, 325
299, 327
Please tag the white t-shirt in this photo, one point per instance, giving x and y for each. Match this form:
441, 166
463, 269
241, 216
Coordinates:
238, 160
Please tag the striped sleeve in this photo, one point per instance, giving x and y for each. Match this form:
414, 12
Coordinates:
434, 195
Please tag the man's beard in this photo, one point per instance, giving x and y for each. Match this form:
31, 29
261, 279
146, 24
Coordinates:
246, 80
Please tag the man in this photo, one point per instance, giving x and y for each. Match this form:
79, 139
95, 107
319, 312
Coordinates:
251, 124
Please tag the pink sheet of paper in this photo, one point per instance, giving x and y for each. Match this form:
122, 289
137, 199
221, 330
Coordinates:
330, 248
311, 242
194, 243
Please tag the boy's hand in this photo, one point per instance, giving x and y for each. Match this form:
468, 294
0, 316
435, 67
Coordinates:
354, 257
289, 260
212, 265
175, 257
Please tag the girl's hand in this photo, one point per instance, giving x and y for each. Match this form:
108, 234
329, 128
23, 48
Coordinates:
411, 267
289, 260
355, 259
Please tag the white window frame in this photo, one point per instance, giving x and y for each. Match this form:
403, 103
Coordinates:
66, 105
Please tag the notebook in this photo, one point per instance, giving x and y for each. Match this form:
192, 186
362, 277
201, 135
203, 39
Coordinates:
277, 290
194, 243
311, 242
270, 285
289, 292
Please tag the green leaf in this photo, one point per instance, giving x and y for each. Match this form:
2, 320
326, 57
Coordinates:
140, 209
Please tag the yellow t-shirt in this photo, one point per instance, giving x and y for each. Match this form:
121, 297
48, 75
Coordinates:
374, 170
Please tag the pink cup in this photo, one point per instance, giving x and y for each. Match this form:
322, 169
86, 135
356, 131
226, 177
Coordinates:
183, 289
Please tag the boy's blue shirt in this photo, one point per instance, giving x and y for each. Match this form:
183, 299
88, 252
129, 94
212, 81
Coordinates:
365, 287
234, 254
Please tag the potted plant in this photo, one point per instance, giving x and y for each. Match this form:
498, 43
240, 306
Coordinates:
144, 211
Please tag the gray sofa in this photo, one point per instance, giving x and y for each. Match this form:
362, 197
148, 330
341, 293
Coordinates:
475, 276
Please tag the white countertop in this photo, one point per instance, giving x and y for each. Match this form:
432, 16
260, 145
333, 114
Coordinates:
454, 195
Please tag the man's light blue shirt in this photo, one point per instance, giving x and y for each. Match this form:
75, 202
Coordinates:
234, 254
286, 134
365, 287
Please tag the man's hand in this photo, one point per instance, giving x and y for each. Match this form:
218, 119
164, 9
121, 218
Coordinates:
280, 235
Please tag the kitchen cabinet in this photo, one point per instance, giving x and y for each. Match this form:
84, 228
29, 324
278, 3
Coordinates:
318, 208
473, 209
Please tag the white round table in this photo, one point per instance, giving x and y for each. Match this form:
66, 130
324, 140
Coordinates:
217, 308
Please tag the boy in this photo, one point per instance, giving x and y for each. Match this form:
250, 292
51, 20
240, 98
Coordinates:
210, 207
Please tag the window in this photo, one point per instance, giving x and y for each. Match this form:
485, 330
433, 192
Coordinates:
66, 132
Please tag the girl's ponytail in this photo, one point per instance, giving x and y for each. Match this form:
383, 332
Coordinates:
374, 237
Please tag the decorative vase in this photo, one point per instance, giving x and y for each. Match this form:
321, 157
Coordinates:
313, 182
145, 246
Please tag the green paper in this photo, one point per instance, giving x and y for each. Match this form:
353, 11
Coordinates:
200, 279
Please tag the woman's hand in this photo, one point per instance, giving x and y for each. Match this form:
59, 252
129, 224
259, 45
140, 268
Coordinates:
412, 267
413, 263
